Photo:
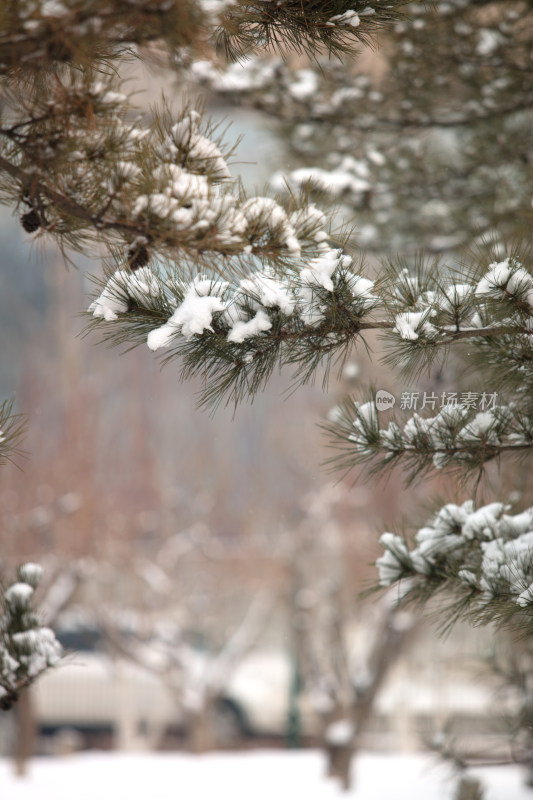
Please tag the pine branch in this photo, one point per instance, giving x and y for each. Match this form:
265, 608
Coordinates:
234, 333
337, 26
374, 141
85, 174
459, 438
12, 428
38, 36
90, 32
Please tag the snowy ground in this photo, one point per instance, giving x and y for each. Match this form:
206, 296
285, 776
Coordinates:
261, 775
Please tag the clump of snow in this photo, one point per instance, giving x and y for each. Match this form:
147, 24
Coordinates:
391, 565
482, 523
361, 288
319, 271
304, 84
349, 17
270, 291
26, 648
342, 179
482, 425
508, 276
194, 315
271, 216
37, 649
309, 220
253, 327
31, 573
488, 41
201, 151
140, 286
18, 595
525, 598
410, 324
53, 8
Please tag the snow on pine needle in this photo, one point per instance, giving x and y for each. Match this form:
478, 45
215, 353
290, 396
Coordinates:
481, 557
27, 648
313, 306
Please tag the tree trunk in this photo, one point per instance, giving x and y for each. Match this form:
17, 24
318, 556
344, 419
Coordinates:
199, 731
397, 627
26, 732
340, 762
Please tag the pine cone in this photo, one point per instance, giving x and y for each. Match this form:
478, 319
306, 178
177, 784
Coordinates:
31, 221
138, 257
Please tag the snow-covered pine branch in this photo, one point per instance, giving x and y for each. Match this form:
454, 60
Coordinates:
404, 146
82, 172
73, 159
312, 309
458, 438
26, 648
235, 332
480, 558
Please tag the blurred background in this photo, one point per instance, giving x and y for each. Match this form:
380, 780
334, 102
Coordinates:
205, 573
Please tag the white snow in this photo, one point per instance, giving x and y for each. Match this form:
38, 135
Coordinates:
525, 598
270, 292
31, 573
194, 315
253, 327
266, 212
457, 532
111, 301
508, 275
260, 774
408, 324
53, 8
390, 563
348, 18
481, 523
141, 286
334, 181
361, 288
488, 41
305, 84
320, 270
481, 425
199, 149
37, 649
340, 733
18, 595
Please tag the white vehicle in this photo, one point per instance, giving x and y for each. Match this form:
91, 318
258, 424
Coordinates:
90, 690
